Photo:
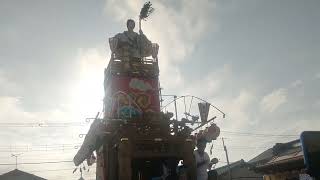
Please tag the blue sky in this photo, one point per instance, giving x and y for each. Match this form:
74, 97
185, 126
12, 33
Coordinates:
257, 60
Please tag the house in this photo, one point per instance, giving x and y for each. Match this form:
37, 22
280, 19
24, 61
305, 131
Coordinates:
19, 175
239, 170
282, 161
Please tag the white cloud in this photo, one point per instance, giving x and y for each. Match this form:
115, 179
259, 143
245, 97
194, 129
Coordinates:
318, 75
20, 139
296, 83
239, 110
7, 86
11, 111
213, 81
87, 92
317, 104
274, 100
83, 98
238, 107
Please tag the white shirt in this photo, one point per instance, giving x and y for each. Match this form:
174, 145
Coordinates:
202, 173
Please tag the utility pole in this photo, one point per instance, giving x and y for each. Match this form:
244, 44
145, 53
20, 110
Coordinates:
227, 157
175, 106
16, 156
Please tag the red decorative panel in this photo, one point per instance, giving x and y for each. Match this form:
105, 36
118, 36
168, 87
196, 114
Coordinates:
131, 96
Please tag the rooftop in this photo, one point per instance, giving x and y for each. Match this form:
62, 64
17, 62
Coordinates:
19, 175
282, 156
224, 169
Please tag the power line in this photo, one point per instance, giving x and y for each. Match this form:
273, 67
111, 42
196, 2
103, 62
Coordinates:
26, 148
257, 134
39, 146
52, 170
39, 150
57, 170
54, 157
42, 125
241, 147
30, 163
68, 124
236, 136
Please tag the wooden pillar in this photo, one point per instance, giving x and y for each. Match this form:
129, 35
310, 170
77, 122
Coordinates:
124, 157
189, 160
101, 165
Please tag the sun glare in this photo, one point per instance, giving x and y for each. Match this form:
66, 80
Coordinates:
88, 93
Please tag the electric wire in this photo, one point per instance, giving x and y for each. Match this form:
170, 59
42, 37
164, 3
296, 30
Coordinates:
32, 163
37, 148
43, 125
45, 170
258, 134
68, 169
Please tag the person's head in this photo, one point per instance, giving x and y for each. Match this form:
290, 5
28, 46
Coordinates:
130, 24
201, 144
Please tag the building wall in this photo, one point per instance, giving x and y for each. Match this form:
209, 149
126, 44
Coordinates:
293, 175
241, 173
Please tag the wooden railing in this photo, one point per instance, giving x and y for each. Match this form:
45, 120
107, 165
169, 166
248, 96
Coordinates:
146, 67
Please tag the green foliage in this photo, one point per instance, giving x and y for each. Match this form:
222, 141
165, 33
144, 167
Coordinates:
146, 10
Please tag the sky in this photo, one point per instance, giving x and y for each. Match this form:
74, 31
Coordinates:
257, 60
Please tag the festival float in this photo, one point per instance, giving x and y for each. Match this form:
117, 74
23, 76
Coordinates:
138, 136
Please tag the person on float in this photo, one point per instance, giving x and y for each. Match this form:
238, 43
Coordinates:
202, 159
